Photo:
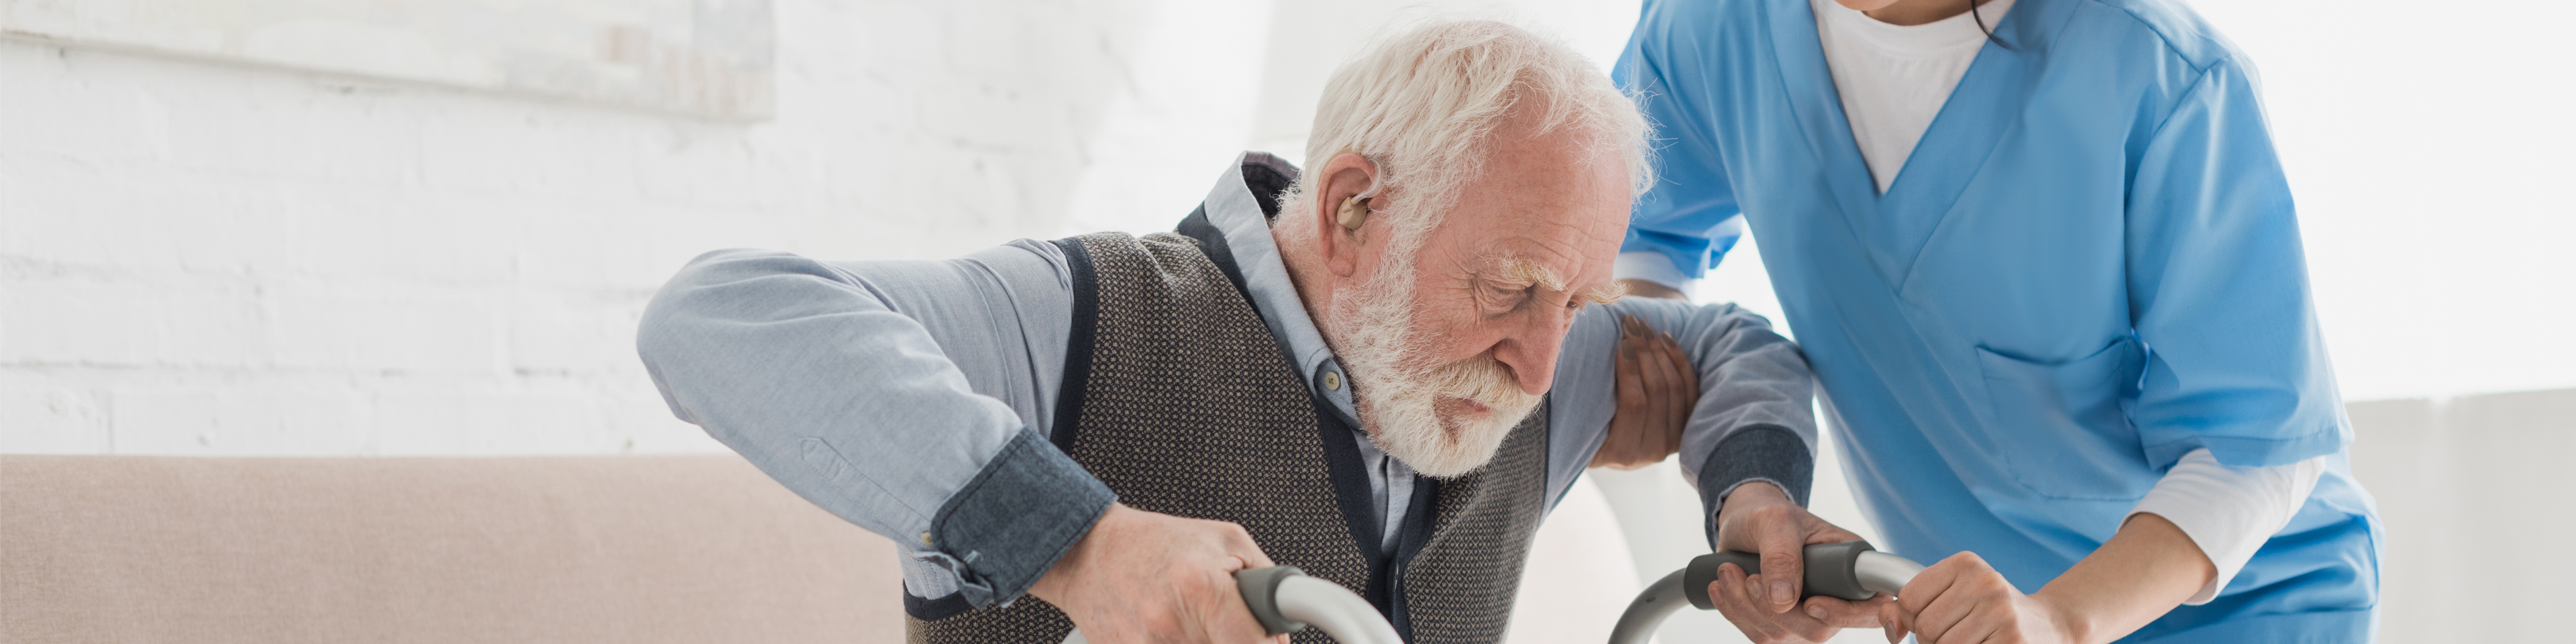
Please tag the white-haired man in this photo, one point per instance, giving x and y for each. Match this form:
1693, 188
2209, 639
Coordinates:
1383, 371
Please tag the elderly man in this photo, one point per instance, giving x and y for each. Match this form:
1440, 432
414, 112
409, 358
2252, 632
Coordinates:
1383, 370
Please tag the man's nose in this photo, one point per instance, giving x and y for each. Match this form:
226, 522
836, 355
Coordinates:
1531, 350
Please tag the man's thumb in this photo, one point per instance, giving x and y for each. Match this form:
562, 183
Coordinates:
1784, 567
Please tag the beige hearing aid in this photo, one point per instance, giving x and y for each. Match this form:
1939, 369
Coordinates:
1355, 212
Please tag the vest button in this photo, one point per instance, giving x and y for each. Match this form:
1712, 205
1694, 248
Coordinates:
925, 539
1333, 380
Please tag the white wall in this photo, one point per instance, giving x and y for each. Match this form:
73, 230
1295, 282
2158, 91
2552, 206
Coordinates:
2428, 147
2474, 494
199, 258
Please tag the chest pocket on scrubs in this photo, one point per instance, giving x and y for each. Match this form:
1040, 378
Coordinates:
2062, 427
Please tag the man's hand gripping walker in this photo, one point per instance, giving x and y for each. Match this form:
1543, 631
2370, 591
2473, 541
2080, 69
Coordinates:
1849, 570
1285, 600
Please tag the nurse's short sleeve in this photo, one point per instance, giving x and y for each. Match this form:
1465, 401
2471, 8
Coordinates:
2219, 292
1689, 214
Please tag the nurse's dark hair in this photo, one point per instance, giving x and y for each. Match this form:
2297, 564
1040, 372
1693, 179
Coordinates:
1981, 24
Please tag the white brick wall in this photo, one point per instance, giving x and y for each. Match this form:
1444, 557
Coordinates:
199, 257
204, 258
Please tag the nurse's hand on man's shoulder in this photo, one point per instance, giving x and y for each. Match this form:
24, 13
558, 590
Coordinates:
1142, 577
1962, 600
1758, 517
1656, 387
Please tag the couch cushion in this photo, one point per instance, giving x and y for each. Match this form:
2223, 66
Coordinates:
626, 549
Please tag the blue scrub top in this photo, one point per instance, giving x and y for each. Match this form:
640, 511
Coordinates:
2088, 267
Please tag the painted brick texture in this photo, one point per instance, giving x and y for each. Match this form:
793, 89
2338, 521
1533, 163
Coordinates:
205, 258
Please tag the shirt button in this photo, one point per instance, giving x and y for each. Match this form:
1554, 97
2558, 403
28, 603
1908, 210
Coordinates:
925, 539
1333, 380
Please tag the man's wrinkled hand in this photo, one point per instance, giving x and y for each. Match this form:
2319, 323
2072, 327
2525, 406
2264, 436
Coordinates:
1141, 577
1758, 517
1657, 386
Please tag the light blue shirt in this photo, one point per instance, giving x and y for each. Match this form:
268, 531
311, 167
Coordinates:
880, 389
2088, 267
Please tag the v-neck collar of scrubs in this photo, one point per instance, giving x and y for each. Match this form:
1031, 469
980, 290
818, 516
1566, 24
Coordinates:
1987, 101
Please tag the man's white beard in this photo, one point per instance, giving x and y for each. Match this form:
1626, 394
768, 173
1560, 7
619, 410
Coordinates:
1397, 392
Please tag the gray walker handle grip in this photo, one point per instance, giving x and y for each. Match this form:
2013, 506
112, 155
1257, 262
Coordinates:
1832, 571
1261, 593
1285, 600
1850, 570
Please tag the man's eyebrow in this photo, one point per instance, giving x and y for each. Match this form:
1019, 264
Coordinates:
1532, 273
1529, 272
1605, 294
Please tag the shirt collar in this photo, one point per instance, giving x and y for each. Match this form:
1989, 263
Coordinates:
1236, 213
1913, 41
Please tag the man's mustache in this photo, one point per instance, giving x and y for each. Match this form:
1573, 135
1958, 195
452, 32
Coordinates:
1481, 379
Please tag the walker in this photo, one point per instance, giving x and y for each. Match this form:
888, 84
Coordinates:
1285, 600
1850, 570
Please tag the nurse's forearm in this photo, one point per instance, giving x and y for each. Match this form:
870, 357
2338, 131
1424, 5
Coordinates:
2147, 569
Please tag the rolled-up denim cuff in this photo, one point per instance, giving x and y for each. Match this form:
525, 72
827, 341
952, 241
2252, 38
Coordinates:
1021, 513
1769, 453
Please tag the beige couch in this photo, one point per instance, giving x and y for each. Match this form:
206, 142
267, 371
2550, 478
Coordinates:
625, 549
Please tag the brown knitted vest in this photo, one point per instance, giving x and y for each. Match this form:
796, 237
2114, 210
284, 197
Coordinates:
1178, 397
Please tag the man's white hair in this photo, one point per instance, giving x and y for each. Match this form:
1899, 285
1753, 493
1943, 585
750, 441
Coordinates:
1421, 104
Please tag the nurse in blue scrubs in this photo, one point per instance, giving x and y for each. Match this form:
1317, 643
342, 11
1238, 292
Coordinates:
2044, 260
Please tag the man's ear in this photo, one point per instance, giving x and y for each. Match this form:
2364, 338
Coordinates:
1348, 180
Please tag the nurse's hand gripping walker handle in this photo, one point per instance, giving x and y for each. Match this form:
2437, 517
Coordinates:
1849, 570
1285, 600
